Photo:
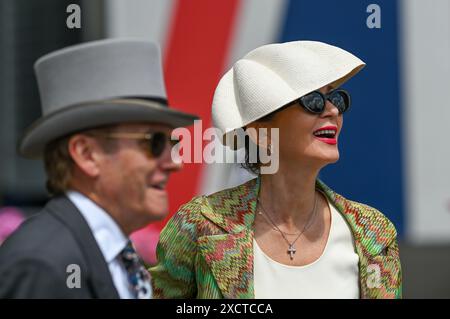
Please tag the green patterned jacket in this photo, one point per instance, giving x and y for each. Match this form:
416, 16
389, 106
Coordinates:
206, 249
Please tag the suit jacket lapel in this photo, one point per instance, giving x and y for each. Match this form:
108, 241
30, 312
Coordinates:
230, 254
63, 209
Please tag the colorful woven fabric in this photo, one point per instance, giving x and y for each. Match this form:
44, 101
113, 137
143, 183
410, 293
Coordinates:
206, 249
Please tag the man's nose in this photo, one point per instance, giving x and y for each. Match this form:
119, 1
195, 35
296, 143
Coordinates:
170, 161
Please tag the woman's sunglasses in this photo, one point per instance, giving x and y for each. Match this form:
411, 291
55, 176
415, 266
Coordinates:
315, 102
155, 142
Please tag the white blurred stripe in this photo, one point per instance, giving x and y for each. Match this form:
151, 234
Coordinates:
258, 23
426, 116
148, 19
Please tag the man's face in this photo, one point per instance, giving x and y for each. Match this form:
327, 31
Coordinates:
131, 182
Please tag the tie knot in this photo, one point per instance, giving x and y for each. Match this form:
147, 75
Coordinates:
129, 255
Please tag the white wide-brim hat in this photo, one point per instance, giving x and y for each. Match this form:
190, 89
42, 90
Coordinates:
99, 83
274, 75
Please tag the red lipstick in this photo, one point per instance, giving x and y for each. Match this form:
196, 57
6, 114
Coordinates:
327, 134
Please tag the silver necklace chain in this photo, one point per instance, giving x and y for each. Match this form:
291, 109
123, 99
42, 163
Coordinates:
274, 227
291, 249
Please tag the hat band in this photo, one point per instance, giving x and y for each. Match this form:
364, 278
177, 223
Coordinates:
160, 100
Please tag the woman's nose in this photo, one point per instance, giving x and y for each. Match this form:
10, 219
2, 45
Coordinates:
330, 110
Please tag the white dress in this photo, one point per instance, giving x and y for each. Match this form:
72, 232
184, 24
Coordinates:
335, 274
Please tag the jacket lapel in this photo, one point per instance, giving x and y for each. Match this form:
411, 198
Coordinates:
235, 250
98, 271
234, 213
372, 236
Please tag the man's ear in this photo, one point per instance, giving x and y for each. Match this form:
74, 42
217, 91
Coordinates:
85, 152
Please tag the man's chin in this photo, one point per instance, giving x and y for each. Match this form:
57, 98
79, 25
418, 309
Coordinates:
157, 204
157, 213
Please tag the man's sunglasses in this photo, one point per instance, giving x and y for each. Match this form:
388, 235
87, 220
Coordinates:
156, 142
315, 102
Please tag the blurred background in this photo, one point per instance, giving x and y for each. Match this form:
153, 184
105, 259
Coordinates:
394, 154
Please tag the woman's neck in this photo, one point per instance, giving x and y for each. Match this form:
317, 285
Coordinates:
289, 196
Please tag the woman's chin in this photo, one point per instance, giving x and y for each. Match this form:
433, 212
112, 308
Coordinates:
332, 161
329, 158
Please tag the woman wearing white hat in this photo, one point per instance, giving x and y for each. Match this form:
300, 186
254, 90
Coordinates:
281, 235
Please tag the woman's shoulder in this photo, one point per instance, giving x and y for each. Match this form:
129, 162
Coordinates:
223, 208
233, 195
375, 218
370, 223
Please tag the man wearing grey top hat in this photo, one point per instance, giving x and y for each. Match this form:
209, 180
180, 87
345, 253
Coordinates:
105, 140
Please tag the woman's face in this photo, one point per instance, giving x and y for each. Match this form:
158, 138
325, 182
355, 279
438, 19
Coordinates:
307, 138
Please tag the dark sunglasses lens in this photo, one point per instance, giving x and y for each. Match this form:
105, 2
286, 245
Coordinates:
313, 102
341, 100
158, 144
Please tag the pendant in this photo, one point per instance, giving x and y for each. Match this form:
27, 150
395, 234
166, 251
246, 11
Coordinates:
291, 251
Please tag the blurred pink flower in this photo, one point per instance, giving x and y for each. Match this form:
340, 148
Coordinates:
10, 220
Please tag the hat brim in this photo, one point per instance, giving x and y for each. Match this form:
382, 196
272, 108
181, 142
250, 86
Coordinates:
89, 115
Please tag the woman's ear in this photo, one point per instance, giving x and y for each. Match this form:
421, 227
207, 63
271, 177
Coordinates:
259, 134
85, 152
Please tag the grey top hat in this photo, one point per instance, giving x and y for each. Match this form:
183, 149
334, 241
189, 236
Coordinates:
99, 83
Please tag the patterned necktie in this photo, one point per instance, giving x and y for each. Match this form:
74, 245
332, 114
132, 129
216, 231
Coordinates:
138, 276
